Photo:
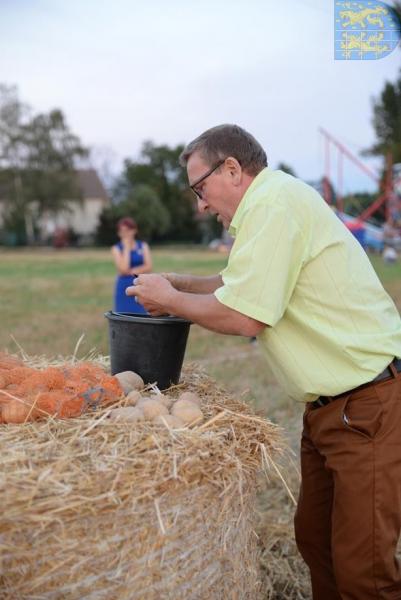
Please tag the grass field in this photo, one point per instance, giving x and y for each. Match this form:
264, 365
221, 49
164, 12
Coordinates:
49, 298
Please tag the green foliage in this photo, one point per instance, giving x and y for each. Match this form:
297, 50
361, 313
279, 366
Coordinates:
13, 232
159, 169
49, 173
37, 162
282, 166
143, 205
355, 204
387, 122
151, 215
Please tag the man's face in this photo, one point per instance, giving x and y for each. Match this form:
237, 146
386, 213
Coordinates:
218, 194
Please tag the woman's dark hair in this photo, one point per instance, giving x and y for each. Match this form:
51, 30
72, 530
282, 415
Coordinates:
126, 222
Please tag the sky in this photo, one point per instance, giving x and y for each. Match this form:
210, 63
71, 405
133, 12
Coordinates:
126, 71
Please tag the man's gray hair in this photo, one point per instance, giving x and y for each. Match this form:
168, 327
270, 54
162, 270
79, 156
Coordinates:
223, 141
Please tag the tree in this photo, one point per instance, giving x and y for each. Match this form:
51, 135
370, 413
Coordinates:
355, 204
37, 155
52, 150
158, 168
286, 168
13, 114
387, 122
144, 206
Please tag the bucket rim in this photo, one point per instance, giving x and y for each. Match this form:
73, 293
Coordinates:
136, 318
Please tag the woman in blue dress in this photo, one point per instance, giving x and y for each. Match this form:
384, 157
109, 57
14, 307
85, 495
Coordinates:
131, 257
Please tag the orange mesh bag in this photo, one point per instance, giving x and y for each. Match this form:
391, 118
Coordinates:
51, 378
9, 362
4, 395
3, 380
62, 392
7, 392
58, 403
15, 411
16, 375
93, 384
71, 407
112, 388
86, 372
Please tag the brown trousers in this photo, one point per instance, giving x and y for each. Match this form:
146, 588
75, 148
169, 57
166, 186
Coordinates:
348, 519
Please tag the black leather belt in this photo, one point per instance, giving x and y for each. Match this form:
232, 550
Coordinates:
386, 374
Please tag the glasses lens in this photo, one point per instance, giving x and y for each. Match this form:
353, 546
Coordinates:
205, 176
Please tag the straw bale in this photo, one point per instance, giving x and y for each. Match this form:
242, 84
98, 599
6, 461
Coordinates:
94, 508
285, 575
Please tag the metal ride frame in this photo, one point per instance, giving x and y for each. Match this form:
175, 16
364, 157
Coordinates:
386, 196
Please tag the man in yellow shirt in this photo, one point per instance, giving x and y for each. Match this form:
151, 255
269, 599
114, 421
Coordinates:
298, 279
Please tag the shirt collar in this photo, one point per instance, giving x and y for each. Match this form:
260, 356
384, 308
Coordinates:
260, 178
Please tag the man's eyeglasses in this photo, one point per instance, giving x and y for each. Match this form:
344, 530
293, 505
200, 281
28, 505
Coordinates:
193, 187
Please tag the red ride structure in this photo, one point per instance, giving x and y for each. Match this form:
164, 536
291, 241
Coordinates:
387, 195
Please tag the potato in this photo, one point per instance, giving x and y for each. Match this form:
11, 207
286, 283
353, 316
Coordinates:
169, 421
126, 413
129, 381
187, 411
152, 408
166, 400
191, 397
133, 398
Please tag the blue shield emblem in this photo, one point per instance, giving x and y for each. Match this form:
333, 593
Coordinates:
365, 30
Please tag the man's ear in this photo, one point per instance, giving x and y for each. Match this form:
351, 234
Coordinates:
234, 170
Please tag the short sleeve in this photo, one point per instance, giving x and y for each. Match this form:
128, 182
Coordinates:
264, 263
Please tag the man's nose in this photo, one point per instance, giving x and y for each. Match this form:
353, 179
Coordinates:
202, 205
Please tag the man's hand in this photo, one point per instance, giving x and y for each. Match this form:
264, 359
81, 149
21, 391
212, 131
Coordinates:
154, 292
126, 242
179, 282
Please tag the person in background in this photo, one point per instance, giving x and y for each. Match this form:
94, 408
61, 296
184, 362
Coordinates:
389, 255
132, 258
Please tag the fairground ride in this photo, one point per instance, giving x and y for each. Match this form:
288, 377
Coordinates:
389, 187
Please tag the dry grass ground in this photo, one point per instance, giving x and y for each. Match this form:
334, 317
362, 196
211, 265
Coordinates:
48, 299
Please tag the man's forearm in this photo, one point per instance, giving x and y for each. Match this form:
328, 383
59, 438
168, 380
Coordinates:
194, 284
159, 296
207, 311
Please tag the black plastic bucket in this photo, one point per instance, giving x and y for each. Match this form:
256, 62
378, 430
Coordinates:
153, 347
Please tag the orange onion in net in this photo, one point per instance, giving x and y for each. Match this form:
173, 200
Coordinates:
59, 404
41, 381
3, 381
71, 407
62, 392
86, 371
15, 411
9, 362
17, 375
76, 386
112, 388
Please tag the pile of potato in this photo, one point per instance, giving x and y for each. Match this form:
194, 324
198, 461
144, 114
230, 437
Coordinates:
156, 407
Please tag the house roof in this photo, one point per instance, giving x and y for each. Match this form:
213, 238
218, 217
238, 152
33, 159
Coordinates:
90, 184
